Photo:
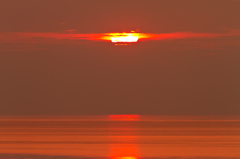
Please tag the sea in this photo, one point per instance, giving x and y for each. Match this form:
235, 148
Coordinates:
119, 137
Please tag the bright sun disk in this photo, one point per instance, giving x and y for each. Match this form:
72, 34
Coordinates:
124, 37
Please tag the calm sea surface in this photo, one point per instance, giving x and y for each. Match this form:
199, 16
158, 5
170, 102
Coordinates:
119, 137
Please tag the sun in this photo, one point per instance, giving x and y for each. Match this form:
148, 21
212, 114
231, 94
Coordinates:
124, 37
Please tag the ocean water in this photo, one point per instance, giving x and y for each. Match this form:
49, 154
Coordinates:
119, 137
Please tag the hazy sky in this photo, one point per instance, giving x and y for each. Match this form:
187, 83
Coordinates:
185, 76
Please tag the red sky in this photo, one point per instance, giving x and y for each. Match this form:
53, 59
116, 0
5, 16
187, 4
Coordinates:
52, 64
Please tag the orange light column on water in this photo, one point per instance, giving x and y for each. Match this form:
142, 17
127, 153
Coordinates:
123, 138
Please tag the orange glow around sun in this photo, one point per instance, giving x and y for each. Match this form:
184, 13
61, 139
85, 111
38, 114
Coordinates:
117, 38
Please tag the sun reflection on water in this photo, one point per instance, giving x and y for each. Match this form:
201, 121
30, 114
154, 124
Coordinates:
123, 138
125, 157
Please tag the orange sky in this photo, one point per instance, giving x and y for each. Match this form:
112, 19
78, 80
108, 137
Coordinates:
53, 60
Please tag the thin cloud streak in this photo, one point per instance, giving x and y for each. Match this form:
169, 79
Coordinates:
26, 41
21, 36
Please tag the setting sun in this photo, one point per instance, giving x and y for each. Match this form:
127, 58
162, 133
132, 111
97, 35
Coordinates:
124, 37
